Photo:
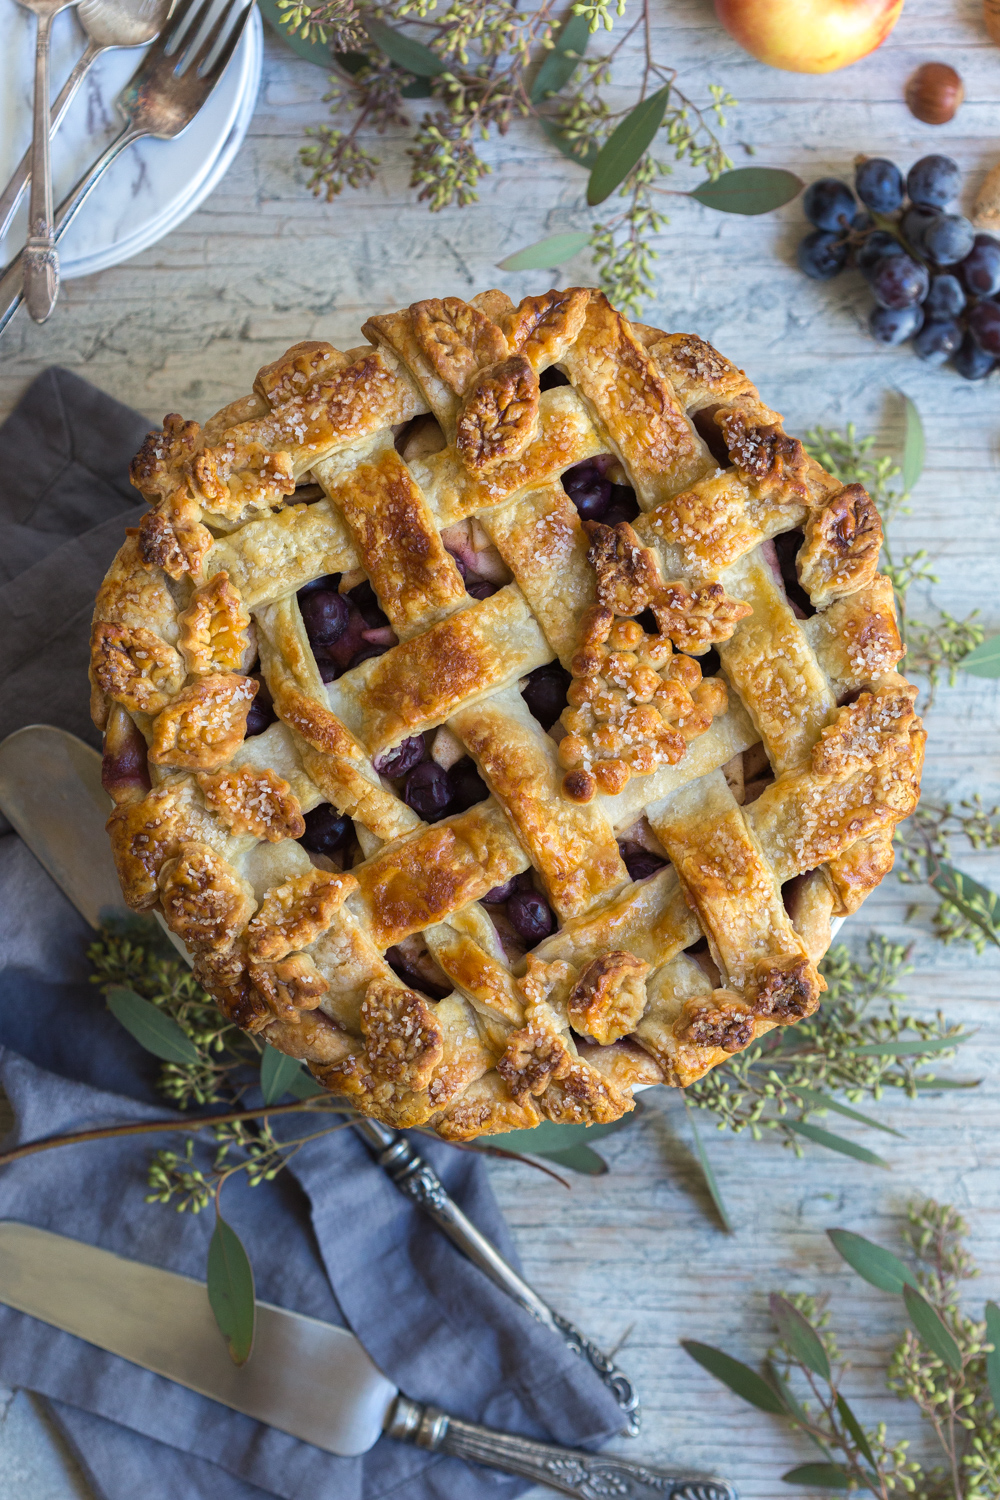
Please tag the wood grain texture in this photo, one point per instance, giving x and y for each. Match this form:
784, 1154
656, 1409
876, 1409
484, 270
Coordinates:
185, 326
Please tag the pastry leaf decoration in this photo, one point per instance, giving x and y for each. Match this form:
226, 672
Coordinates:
231, 1290
749, 190
945, 1366
153, 1030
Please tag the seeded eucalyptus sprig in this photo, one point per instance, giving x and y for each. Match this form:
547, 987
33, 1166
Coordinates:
946, 1363
481, 65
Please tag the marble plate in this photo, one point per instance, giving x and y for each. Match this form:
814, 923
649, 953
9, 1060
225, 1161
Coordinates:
153, 185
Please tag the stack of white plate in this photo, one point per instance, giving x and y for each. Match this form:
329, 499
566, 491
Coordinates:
153, 185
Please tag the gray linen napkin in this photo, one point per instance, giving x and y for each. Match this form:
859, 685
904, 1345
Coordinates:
331, 1236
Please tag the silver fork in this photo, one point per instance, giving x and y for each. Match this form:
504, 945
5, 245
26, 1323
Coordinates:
161, 99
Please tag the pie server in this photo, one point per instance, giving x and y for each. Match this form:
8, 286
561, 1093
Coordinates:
306, 1378
50, 789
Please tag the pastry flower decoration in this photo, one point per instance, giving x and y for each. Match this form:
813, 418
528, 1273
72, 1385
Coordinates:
636, 702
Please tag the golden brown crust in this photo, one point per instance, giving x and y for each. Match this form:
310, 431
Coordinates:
609, 997
842, 545
135, 667
457, 338
500, 415
203, 900
214, 630
252, 801
205, 724
773, 802
294, 914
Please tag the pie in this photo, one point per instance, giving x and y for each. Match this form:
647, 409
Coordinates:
501, 711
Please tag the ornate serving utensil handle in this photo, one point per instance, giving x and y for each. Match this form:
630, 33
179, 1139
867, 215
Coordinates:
418, 1180
588, 1476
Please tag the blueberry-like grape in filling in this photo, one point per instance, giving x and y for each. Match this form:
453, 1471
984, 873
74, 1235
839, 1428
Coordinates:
482, 590
325, 615
639, 862
364, 599
531, 917
467, 786
946, 299
949, 239
972, 362
937, 340
261, 713
877, 245
933, 182
327, 830
428, 791
899, 281
984, 325
498, 895
588, 489
402, 758
981, 267
545, 693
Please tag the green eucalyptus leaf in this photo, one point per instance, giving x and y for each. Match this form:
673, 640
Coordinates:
562, 62
913, 445
277, 1071
578, 1159
821, 1476
405, 51
304, 1086
993, 1358
985, 660
353, 62
625, 145
749, 190
856, 1430
231, 1291
835, 1143
548, 252
795, 1410
740, 1379
570, 148
548, 1137
816, 1100
977, 903
931, 1330
151, 1027
878, 1267
314, 52
799, 1336
907, 1046
709, 1175
930, 1084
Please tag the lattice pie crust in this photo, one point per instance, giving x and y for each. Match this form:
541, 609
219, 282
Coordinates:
768, 787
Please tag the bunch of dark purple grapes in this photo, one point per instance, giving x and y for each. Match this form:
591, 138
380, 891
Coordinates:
934, 279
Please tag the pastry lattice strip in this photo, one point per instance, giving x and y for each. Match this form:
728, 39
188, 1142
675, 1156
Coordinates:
614, 997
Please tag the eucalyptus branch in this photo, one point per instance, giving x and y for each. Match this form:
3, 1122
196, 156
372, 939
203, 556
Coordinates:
159, 1127
946, 1363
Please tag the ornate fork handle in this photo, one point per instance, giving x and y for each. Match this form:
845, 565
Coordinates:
588, 1476
418, 1180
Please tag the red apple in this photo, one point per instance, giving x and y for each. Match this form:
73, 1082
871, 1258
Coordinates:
809, 36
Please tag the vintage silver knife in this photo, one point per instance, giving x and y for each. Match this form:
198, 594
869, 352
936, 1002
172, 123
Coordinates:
50, 789
306, 1377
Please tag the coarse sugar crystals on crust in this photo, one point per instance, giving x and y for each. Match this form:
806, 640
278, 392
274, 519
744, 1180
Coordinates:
465, 722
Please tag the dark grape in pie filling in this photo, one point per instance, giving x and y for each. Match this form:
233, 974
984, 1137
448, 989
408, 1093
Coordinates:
329, 581
327, 830
402, 758
261, 713
428, 791
325, 615
412, 977
467, 786
588, 489
545, 693
364, 599
498, 895
639, 862
787, 547
531, 916
624, 506
552, 377
482, 590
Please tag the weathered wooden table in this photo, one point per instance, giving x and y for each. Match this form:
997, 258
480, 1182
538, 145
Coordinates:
186, 325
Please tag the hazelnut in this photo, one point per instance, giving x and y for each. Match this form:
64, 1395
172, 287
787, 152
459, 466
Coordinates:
934, 93
991, 16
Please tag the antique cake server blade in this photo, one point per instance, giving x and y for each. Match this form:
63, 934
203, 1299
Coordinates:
305, 1377
50, 789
